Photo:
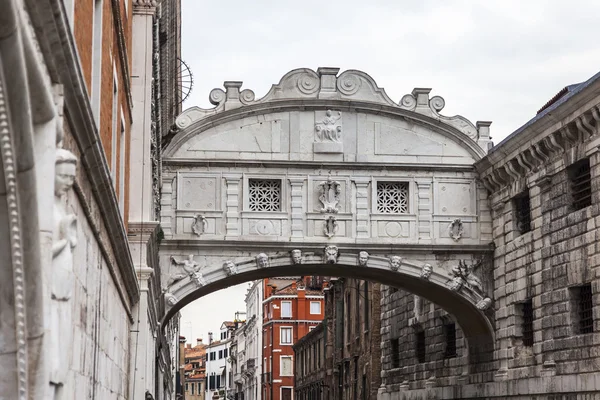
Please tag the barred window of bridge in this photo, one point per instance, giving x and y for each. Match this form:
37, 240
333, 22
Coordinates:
522, 212
420, 345
392, 197
581, 189
585, 308
264, 194
527, 309
450, 333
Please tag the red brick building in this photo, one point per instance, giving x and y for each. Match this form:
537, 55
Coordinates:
292, 307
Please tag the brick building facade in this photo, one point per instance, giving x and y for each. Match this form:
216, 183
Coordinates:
292, 307
341, 358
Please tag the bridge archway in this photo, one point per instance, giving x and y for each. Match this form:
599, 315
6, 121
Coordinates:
328, 161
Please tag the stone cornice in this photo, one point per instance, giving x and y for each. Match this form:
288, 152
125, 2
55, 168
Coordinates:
58, 47
540, 142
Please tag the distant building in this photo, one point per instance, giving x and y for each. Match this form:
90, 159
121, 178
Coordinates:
341, 357
218, 377
291, 308
195, 368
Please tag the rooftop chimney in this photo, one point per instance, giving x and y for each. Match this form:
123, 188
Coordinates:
198, 341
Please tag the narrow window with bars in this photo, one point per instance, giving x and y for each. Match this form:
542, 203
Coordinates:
522, 207
264, 194
585, 308
392, 197
527, 327
450, 335
420, 345
581, 189
395, 352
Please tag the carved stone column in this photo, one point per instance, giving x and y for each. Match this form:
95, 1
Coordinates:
232, 215
424, 210
297, 226
362, 206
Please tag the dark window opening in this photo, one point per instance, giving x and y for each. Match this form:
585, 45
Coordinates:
528, 323
366, 304
585, 309
420, 346
395, 350
581, 189
523, 212
450, 333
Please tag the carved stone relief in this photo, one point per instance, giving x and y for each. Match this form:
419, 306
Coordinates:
187, 267
484, 304
262, 260
63, 241
456, 229
328, 133
464, 275
329, 195
170, 299
199, 225
395, 262
230, 268
363, 258
330, 226
331, 255
296, 256
426, 271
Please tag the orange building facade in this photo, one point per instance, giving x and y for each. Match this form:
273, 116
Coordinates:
103, 36
291, 308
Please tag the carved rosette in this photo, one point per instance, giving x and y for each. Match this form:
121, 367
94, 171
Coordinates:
331, 254
230, 268
308, 83
348, 83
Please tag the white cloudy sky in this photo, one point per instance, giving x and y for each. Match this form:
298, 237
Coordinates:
497, 60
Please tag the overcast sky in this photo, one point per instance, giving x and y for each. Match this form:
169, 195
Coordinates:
492, 60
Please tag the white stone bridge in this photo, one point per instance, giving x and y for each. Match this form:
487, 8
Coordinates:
328, 165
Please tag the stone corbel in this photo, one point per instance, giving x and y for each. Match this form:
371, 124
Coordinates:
498, 206
584, 127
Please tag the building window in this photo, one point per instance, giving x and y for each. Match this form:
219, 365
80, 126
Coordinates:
264, 194
286, 366
420, 346
527, 312
115, 127
395, 352
193, 388
220, 354
315, 307
450, 334
285, 335
225, 353
522, 212
96, 60
213, 356
392, 197
286, 309
186, 387
584, 308
581, 189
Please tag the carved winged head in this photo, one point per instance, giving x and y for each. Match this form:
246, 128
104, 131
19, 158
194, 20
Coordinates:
395, 262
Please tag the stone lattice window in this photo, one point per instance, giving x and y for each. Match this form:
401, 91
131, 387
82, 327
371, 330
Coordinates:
392, 197
264, 194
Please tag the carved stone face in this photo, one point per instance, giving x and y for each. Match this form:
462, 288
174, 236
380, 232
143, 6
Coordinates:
297, 256
426, 271
456, 284
230, 268
331, 254
395, 262
262, 260
64, 177
363, 258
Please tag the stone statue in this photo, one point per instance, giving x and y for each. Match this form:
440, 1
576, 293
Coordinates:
297, 256
330, 227
331, 254
329, 195
262, 260
426, 271
465, 274
328, 130
230, 268
189, 268
395, 262
363, 258
64, 239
